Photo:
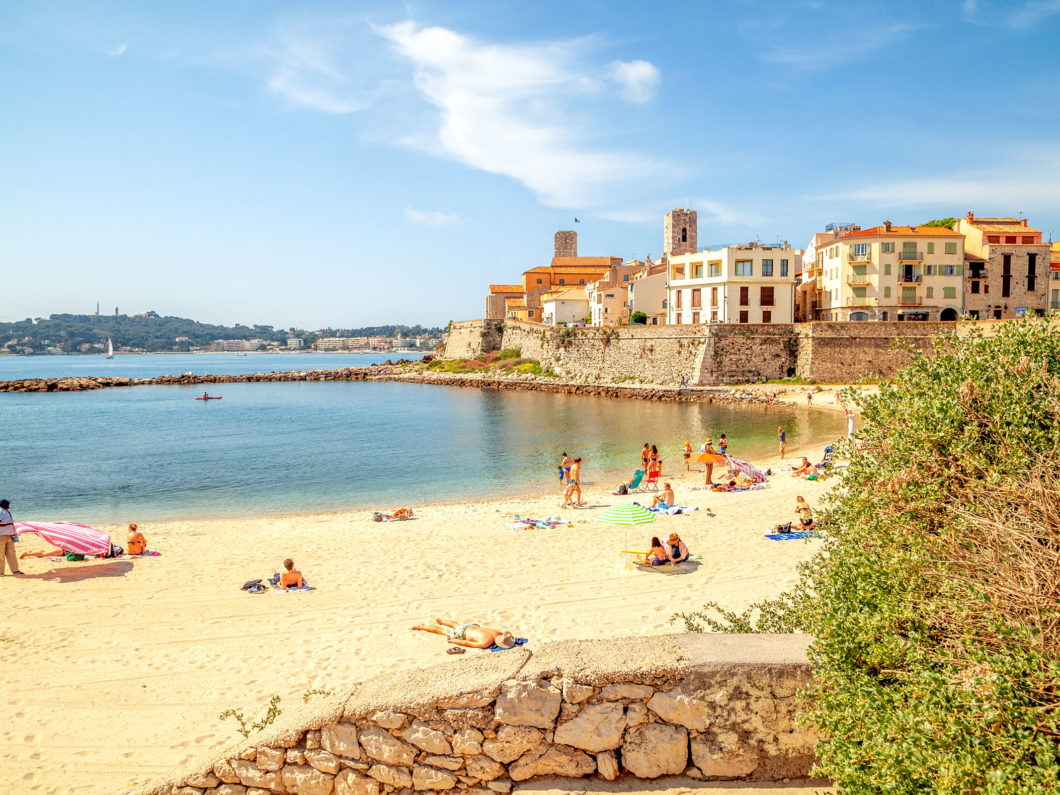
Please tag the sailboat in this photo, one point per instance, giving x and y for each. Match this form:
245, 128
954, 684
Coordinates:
110, 349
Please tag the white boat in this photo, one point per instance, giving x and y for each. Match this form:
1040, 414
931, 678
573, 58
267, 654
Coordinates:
110, 349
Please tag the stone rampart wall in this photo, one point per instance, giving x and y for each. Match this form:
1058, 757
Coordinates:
847, 352
469, 339
740, 354
718, 707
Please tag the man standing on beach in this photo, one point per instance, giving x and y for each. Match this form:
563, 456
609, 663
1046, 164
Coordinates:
576, 479
645, 454
7, 539
783, 438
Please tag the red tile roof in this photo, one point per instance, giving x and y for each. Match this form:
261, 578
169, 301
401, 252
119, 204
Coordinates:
898, 231
1010, 226
506, 288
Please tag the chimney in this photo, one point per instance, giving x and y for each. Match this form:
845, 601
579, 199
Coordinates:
971, 216
1024, 221
886, 226
854, 228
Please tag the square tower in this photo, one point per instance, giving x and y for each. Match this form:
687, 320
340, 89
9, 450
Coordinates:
566, 244
680, 232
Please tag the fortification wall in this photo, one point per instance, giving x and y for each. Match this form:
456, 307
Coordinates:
846, 352
716, 707
740, 354
639, 354
469, 339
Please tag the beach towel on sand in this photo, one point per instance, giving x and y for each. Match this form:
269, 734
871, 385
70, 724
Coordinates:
787, 536
674, 510
518, 642
274, 581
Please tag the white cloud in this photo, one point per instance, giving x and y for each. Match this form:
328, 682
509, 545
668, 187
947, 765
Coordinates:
830, 49
1004, 13
638, 79
434, 218
305, 71
517, 111
1030, 14
119, 50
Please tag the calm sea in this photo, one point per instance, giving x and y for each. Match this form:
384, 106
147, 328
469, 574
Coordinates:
150, 453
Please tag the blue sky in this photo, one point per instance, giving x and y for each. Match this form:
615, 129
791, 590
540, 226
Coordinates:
322, 163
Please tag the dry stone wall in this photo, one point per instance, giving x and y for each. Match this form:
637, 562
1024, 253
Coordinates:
847, 352
708, 706
469, 339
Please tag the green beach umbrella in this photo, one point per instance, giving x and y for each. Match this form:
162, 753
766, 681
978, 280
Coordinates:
626, 513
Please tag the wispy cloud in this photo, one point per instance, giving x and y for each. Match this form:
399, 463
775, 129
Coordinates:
119, 50
638, 79
834, 47
434, 218
305, 70
516, 110
1007, 14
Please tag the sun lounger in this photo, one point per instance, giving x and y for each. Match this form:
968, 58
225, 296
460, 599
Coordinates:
827, 460
634, 484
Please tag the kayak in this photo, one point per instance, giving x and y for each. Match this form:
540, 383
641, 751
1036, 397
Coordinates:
209, 397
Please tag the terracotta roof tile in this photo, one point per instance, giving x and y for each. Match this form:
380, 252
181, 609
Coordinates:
899, 231
1009, 226
506, 288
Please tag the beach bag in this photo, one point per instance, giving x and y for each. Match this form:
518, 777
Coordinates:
784, 528
253, 586
623, 489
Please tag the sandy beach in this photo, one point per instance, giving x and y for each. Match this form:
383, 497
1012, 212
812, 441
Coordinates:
119, 669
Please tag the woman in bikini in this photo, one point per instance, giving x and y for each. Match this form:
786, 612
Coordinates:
688, 456
658, 555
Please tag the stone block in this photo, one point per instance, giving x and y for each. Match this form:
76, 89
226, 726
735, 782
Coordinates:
323, 761
270, 759
511, 742
556, 760
381, 745
471, 700
573, 693
484, 768
339, 739
723, 760
684, 709
620, 690
305, 780
207, 779
294, 756
607, 765
253, 776
224, 771
528, 704
598, 727
312, 739
447, 762
467, 718
248, 754
467, 742
424, 777
349, 782
186, 791
636, 714
387, 719
655, 749
229, 789
394, 776
427, 739
500, 785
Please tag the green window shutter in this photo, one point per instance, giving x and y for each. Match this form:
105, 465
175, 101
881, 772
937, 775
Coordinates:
949, 292
859, 292
931, 248
959, 270
951, 248
887, 269
909, 245
887, 290
930, 292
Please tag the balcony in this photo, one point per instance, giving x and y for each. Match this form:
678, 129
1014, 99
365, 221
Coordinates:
863, 257
910, 301
910, 256
861, 302
909, 277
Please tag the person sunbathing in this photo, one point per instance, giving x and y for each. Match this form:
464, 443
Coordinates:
664, 500
469, 634
805, 512
678, 551
136, 541
805, 469
290, 578
52, 553
658, 555
402, 513
730, 486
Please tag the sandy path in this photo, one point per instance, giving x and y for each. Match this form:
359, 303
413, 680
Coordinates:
116, 671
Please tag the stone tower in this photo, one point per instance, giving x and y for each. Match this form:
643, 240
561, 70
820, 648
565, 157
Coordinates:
680, 232
566, 244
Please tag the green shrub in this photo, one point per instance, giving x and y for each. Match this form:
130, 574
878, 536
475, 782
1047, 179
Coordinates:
509, 353
935, 602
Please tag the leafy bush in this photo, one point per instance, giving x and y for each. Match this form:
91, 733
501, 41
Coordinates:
638, 318
935, 602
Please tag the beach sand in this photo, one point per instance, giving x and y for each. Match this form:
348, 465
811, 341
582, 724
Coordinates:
115, 672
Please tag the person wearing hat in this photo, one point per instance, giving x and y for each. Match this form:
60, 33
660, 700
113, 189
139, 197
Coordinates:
708, 448
7, 539
676, 549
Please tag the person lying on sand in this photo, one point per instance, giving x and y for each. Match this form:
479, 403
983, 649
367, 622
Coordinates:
730, 486
290, 578
402, 513
664, 500
469, 634
52, 553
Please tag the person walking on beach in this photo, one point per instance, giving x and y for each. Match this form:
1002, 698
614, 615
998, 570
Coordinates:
688, 456
564, 469
7, 539
654, 463
809, 398
576, 479
782, 437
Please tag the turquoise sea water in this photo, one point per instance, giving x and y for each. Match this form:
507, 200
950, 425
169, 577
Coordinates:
149, 453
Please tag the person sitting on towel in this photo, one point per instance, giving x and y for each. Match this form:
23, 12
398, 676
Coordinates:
805, 512
290, 578
658, 555
137, 542
676, 549
469, 634
805, 469
664, 500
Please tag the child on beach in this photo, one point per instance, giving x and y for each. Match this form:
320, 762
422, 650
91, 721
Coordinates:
687, 455
290, 578
573, 486
658, 555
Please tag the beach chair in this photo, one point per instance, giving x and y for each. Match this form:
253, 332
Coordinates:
638, 476
650, 483
827, 460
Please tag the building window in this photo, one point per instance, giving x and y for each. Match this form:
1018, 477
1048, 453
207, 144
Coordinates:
713, 296
975, 286
861, 250
886, 292
714, 269
1032, 264
888, 248
677, 299
745, 296
951, 248
1010, 238
949, 292
539, 281
1028, 240
684, 234
581, 281
783, 267
695, 318
931, 247
1030, 284
561, 281
930, 292
765, 296
744, 267
677, 318
625, 278
885, 315
986, 288
696, 299
929, 269
767, 316
1054, 302
993, 239
714, 312
743, 315
530, 313
887, 268
767, 267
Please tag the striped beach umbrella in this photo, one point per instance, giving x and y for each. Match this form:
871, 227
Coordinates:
748, 469
626, 513
68, 536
